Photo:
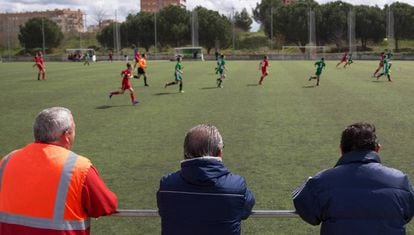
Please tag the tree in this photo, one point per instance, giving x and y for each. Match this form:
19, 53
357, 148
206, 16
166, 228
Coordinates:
243, 20
262, 13
141, 29
31, 33
333, 23
212, 27
173, 24
292, 21
369, 24
106, 36
403, 21
99, 15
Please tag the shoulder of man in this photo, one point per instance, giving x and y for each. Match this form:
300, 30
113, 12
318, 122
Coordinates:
170, 180
232, 183
82, 162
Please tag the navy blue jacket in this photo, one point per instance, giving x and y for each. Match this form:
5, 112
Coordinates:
203, 198
359, 196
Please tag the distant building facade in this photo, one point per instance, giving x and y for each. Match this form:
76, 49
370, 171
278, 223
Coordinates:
68, 20
100, 26
156, 5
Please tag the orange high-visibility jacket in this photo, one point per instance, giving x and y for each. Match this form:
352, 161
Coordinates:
41, 187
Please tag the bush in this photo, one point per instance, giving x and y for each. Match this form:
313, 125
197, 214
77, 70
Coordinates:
253, 42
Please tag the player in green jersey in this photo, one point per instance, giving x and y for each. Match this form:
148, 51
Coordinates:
389, 55
177, 75
221, 67
319, 67
349, 61
217, 63
386, 69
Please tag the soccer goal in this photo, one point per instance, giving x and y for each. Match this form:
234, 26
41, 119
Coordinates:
195, 53
303, 52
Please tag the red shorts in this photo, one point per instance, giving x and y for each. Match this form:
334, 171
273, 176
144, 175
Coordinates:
126, 84
344, 60
40, 67
264, 71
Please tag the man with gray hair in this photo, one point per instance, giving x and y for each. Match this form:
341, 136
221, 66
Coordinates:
47, 189
203, 197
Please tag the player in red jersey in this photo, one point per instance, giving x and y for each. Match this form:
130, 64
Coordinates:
40, 66
137, 57
263, 66
380, 65
344, 59
110, 55
126, 85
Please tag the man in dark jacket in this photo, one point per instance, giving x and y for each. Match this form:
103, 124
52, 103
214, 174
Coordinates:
203, 197
359, 196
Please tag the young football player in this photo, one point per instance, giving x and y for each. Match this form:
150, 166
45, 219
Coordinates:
137, 57
178, 71
381, 64
39, 63
221, 68
126, 85
263, 67
386, 69
344, 59
319, 67
349, 61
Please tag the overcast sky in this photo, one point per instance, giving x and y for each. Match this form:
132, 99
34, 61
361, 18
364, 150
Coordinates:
124, 7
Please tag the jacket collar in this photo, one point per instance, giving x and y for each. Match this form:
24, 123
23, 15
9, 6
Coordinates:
362, 157
203, 170
205, 158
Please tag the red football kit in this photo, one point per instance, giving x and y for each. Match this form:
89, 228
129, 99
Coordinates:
344, 58
126, 74
382, 57
39, 62
264, 64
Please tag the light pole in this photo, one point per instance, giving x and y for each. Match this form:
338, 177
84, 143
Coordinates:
159, 6
43, 36
234, 36
271, 28
8, 37
155, 33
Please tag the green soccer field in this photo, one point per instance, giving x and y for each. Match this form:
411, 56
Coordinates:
275, 135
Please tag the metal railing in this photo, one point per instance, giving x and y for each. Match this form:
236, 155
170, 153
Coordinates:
255, 213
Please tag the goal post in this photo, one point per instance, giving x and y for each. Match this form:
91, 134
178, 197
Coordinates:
194, 53
303, 52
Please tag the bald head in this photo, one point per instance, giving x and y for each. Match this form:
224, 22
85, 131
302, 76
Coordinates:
203, 140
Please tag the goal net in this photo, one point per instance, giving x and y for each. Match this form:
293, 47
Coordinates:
303, 52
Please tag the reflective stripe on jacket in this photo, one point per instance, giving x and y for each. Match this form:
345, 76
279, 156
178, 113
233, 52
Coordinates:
41, 187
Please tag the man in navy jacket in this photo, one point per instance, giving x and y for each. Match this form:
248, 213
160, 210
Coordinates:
358, 196
203, 197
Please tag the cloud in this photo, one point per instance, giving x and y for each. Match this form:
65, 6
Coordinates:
224, 7
125, 7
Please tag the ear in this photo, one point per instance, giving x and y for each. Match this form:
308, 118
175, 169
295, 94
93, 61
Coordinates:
220, 153
65, 141
377, 148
